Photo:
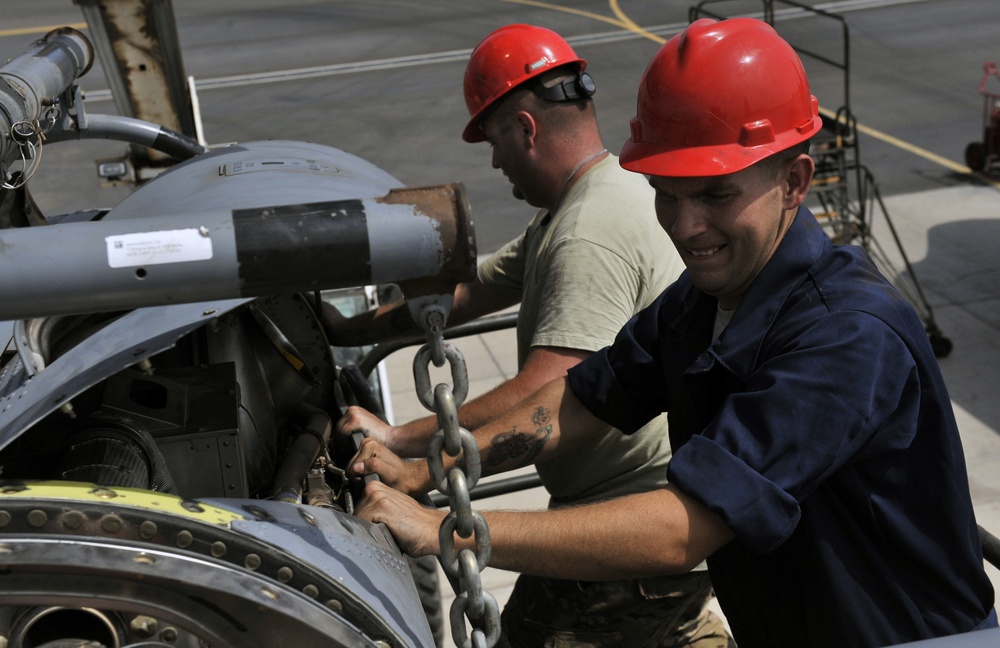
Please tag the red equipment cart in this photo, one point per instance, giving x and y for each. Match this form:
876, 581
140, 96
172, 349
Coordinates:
982, 156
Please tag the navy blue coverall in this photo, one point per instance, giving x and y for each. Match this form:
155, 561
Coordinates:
818, 426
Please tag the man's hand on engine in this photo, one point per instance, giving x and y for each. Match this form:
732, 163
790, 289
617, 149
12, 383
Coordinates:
358, 419
414, 527
373, 458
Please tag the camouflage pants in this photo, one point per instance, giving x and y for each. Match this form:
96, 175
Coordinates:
662, 612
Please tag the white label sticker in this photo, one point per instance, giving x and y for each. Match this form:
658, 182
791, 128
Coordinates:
152, 248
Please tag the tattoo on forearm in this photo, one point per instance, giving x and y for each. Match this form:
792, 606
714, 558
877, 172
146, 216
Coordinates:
541, 418
520, 446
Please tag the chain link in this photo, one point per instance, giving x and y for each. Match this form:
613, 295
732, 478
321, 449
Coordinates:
465, 565
422, 378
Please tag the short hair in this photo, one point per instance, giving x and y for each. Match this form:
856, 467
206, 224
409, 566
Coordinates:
555, 115
773, 162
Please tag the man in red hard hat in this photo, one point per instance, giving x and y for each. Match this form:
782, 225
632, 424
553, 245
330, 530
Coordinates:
589, 260
817, 464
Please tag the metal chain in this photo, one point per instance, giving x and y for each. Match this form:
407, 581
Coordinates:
471, 601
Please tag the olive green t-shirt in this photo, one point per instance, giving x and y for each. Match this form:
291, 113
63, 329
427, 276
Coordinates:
581, 273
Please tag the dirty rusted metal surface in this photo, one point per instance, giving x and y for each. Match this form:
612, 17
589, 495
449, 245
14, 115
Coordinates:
449, 206
138, 47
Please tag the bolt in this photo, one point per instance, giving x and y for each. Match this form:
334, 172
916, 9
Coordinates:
184, 539
144, 625
112, 523
37, 518
73, 519
147, 529
435, 319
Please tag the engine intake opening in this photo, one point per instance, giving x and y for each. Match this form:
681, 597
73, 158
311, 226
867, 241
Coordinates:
42, 626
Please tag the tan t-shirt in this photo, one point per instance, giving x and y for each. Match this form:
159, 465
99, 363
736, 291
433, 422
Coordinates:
581, 273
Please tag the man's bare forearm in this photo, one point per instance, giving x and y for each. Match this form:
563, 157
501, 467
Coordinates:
542, 426
383, 324
657, 532
516, 448
393, 322
507, 450
472, 415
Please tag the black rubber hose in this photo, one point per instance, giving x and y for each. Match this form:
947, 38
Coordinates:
301, 455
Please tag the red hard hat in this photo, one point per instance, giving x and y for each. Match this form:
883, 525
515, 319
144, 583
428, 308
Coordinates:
717, 98
504, 60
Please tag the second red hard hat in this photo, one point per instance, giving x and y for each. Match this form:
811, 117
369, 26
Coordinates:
505, 59
718, 98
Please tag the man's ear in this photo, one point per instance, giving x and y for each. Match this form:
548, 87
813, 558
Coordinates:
527, 127
798, 178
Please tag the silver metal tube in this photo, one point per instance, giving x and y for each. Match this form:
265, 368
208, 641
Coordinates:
121, 264
43, 72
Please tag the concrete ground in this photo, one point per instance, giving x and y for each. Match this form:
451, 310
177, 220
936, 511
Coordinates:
950, 238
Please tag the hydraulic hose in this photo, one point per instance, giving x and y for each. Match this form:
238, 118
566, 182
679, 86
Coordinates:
133, 131
301, 454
